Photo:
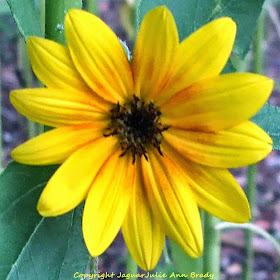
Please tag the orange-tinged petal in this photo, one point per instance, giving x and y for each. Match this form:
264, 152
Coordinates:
56, 107
154, 51
202, 55
98, 55
173, 203
107, 203
70, 183
215, 189
238, 146
142, 233
56, 145
52, 64
218, 103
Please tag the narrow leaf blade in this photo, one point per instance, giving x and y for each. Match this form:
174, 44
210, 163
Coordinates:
26, 18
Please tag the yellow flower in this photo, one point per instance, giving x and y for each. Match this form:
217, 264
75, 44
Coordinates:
145, 143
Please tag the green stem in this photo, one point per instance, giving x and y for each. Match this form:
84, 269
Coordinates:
212, 247
55, 11
55, 14
251, 194
1, 151
92, 6
93, 265
257, 46
252, 170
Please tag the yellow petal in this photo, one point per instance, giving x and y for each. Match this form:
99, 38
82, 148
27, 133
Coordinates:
154, 51
98, 55
70, 183
52, 64
173, 203
107, 203
55, 146
215, 190
238, 146
56, 107
218, 103
202, 55
142, 234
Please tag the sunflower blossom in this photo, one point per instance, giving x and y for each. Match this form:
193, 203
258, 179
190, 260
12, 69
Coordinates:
145, 143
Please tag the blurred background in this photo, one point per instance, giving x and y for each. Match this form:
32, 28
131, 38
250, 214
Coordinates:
120, 16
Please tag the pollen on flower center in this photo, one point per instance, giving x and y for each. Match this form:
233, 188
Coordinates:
137, 125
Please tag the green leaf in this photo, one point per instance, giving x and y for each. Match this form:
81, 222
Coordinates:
4, 8
26, 18
186, 13
183, 263
33, 247
192, 14
229, 68
268, 118
56, 11
245, 13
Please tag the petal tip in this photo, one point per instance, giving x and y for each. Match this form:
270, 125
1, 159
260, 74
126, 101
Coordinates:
73, 14
268, 149
227, 21
161, 12
265, 87
200, 247
43, 211
270, 83
46, 211
160, 9
243, 215
17, 98
15, 154
245, 218
92, 247
14, 96
263, 79
246, 215
227, 25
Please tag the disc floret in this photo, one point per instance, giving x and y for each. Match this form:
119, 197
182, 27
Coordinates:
137, 125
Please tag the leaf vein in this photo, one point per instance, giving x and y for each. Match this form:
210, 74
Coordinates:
24, 248
68, 241
21, 197
32, 261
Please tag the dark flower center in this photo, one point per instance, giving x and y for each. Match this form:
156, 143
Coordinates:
137, 126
